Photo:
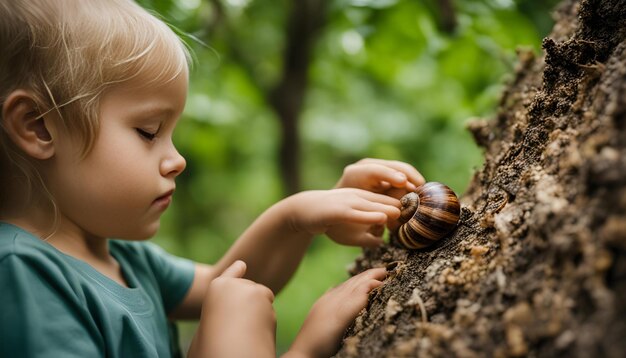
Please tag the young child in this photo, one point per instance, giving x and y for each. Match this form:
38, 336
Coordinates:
90, 93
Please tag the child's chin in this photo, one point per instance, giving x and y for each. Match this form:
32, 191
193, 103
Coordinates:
143, 234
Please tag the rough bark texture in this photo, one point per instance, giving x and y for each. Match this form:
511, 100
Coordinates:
537, 266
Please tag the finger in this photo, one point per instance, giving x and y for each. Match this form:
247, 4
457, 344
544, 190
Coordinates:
236, 270
376, 230
414, 176
378, 273
378, 198
379, 176
384, 185
365, 217
268, 292
371, 176
372, 284
397, 192
372, 242
369, 240
392, 212
375, 274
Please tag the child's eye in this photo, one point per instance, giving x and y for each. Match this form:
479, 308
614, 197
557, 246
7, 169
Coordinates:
145, 134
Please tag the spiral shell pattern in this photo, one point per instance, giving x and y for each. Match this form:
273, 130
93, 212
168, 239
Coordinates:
432, 212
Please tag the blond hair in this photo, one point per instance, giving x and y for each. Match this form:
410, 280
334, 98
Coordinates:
66, 53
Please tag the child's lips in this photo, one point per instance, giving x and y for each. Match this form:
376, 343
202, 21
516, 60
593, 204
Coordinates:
164, 200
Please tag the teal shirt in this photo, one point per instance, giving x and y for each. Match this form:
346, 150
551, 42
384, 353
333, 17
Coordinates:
53, 305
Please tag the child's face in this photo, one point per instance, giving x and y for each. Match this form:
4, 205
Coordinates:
125, 183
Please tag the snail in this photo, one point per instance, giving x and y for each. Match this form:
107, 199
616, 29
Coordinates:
427, 215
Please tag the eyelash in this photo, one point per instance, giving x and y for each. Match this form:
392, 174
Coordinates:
146, 135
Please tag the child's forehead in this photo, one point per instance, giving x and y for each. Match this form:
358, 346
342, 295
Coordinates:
146, 98
148, 83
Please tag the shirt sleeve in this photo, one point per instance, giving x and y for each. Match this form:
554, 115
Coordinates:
41, 316
174, 275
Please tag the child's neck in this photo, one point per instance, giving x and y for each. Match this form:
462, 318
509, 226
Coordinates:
70, 239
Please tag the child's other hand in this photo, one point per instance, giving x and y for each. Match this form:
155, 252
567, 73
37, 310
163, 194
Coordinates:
236, 310
388, 177
345, 215
330, 316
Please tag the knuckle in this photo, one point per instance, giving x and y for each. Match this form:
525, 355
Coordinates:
266, 292
218, 283
261, 290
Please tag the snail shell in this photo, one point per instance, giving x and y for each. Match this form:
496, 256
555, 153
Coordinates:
428, 214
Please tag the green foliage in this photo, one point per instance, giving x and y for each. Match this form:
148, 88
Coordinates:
384, 82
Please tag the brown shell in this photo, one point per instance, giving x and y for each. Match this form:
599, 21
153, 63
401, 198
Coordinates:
430, 214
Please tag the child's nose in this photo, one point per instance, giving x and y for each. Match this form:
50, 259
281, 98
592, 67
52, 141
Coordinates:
173, 164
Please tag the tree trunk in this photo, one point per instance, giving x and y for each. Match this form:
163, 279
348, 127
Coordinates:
305, 20
537, 265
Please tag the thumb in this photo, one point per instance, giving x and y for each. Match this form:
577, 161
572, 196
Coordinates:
236, 270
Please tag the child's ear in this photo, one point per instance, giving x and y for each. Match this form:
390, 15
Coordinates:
20, 115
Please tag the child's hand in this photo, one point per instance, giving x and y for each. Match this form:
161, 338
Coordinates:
331, 315
388, 177
345, 215
236, 310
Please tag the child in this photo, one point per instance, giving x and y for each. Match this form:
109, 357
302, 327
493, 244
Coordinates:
90, 93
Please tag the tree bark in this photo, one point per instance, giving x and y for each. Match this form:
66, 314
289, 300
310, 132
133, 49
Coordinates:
446, 18
537, 265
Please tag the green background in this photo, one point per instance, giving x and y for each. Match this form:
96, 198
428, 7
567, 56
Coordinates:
385, 81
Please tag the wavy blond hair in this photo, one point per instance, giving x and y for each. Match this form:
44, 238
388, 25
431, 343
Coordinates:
66, 53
